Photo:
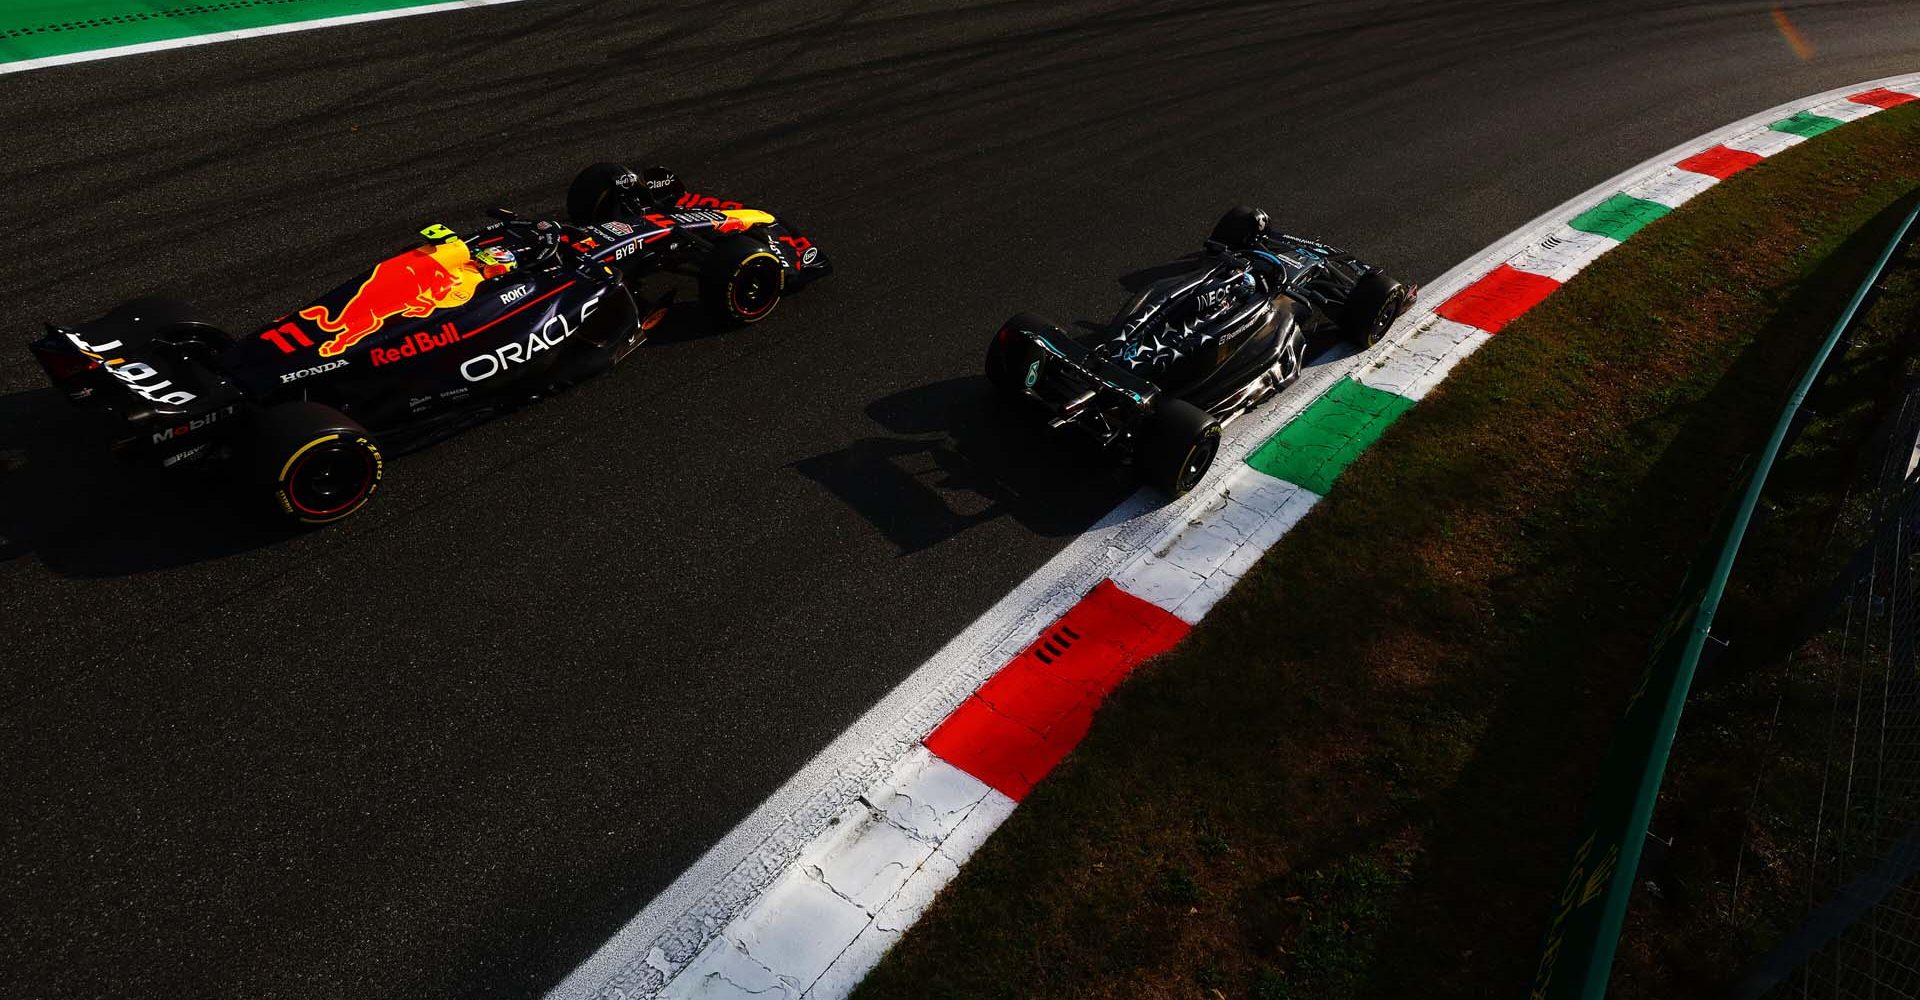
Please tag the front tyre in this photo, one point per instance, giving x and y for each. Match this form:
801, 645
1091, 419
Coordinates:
1240, 227
595, 195
741, 281
1371, 308
314, 464
1177, 447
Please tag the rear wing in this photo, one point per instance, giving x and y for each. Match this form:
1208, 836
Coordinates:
137, 380
1059, 370
1060, 382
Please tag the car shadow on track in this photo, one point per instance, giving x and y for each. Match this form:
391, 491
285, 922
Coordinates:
64, 498
686, 319
954, 459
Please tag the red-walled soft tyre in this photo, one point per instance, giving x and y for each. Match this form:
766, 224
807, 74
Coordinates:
315, 464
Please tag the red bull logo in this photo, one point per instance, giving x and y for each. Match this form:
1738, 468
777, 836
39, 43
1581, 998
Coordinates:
419, 343
414, 284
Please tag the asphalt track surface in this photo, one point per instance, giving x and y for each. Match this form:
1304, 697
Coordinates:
447, 748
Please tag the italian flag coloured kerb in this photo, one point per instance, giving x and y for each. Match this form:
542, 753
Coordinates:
827, 917
1178, 582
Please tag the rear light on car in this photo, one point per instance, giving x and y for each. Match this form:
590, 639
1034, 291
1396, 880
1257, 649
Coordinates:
1006, 335
63, 365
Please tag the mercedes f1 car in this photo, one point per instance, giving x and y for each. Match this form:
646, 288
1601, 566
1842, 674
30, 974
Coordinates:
1212, 337
448, 332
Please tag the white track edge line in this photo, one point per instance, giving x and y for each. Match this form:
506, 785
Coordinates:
233, 35
894, 725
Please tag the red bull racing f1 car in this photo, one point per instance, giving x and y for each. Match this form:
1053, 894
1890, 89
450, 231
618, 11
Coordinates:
1212, 337
455, 329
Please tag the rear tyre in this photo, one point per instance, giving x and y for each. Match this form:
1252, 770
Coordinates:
314, 464
1240, 227
164, 319
595, 195
1177, 447
741, 281
156, 312
1006, 362
1371, 309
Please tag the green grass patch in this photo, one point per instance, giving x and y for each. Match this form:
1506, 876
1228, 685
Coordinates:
1761, 717
1397, 713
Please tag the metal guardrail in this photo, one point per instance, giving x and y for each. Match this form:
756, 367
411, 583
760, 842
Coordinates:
1576, 958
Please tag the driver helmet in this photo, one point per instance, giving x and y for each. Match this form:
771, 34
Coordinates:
495, 261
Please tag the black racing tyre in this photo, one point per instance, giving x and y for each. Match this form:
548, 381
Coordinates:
594, 196
315, 464
1005, 368
157, 312
1375, 301
167, 320
741, 281
1240, 226
1177, 446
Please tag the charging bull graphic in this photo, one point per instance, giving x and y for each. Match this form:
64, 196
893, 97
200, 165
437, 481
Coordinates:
414, 284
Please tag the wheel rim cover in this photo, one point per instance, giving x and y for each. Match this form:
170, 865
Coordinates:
756, 288
330, 479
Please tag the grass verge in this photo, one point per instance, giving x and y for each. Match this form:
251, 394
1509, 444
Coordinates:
1358, 776
1744, 796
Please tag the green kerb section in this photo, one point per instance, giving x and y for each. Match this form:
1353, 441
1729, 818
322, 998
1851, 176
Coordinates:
1320, 443
1807, 124
34, 29
1619, 216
